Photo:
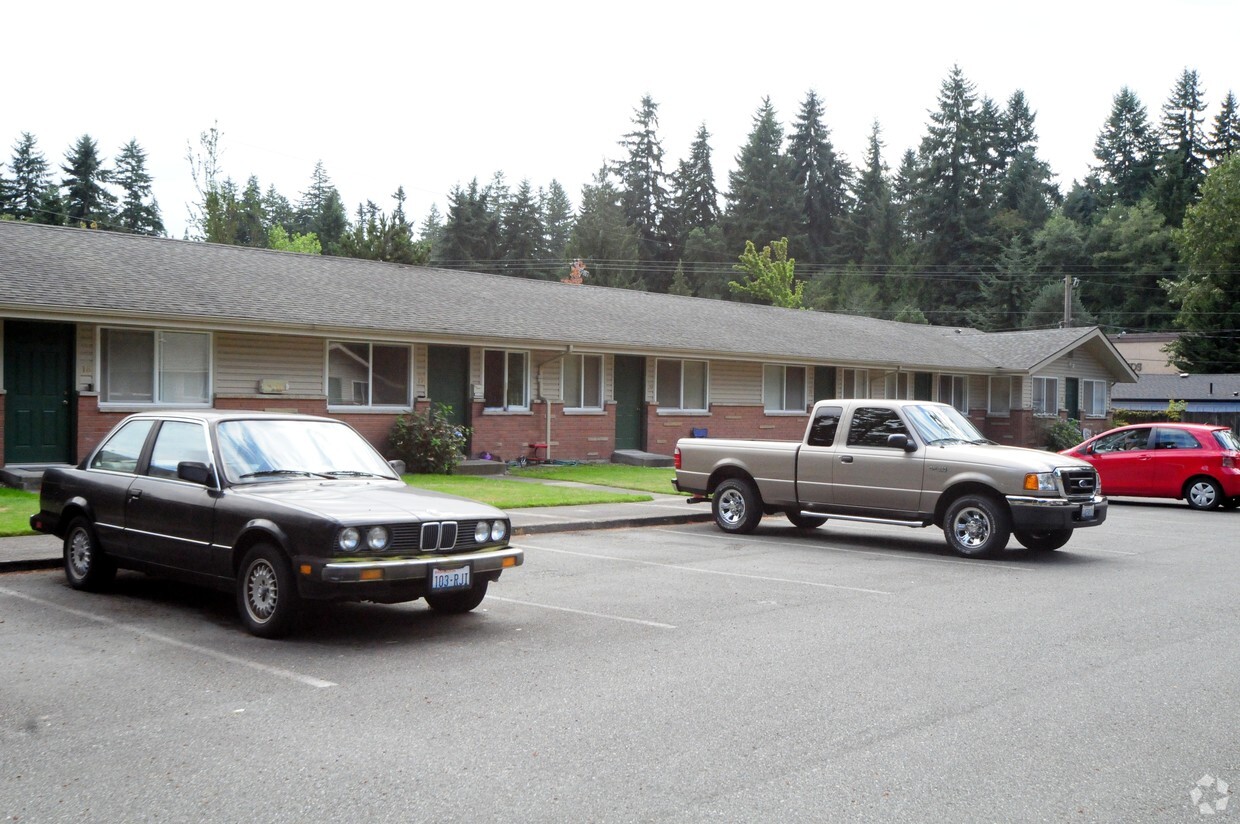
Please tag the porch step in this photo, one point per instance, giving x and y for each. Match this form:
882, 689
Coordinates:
475, 466
637, 457
23, 476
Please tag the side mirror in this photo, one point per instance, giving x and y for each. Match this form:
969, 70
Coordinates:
397, 466
901, 441
196, 472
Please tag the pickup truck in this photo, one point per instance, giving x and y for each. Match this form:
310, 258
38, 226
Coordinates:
906, 463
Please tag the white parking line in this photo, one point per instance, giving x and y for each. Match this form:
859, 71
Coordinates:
582, 612
975, 564
164, 639
683, 568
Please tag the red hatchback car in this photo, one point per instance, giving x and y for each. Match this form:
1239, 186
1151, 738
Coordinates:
1196, 462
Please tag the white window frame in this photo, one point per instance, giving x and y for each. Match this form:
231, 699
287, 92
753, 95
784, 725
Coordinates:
677, 404
362, 392
523, 403
773, 373
585, 364
957, 392
854, 383
994, 392
160, 377
1094, 398
898, 385
1045, 396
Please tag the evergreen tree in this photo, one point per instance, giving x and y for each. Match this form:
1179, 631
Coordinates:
603, 237
1046, 308
471, 231
87, 199
643, 186
321, 212
431, 229
989, 149
1126, 151
557, 219
680, 283
1208, 294
762, 196
377, 236
29, 190
708, 262
1132, 249
1026, 194
1182, 167
277, 210
252, 227
1225, 136
695, 198
822, 179
139, 213
1002, 291
521, 233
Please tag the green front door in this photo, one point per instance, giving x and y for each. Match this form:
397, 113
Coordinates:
1072, 398
447, 382
630, 381
38, 382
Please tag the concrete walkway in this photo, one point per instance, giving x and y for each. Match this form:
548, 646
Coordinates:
44, 551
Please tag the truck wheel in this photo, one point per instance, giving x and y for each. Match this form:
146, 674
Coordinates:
1203, 493
267, 596
803, 521
977, 526
454, 603
737, 507
86, 567
1043, 540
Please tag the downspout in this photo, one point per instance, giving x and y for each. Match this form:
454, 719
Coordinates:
542, 396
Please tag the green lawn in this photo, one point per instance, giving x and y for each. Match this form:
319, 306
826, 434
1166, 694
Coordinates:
643, 478
16, 507
507, 493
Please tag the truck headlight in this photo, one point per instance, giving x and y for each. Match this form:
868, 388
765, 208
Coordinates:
1041, 482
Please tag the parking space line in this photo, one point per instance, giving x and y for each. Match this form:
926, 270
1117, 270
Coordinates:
975, 564
185, 645
725, 573
582, 612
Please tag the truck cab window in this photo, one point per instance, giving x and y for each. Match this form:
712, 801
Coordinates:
871, 425
826, 422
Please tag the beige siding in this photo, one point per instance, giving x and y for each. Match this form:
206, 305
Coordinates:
243, 361
87, 365
735, 384
1076, 364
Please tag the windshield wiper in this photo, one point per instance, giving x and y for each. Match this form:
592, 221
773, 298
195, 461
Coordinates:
984, 442
269, 473
352, 473
938, 441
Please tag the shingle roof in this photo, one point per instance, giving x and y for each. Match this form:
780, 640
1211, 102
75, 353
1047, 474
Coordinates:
1163, 388
83, 273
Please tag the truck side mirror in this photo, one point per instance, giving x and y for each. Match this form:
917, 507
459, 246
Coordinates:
902, 441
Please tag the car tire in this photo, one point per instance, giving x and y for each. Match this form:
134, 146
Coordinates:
267, 596
1232, 502
737, 507
1203, 493
455, 603
977, 526
86, 566
803, 521
1043, 540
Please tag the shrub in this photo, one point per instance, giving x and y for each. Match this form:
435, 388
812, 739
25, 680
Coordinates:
1062, 435
428, 442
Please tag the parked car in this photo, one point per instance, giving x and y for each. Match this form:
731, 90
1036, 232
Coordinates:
1196, 462
278, 509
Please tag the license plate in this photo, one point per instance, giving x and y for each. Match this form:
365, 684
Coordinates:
454, 578
1087, 512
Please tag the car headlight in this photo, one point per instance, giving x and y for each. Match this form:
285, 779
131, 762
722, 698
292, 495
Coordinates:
350, 539
1041, 482
499, 530
482, 532
377, 538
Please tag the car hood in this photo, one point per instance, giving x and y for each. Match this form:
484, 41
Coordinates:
367, 501
1009, 457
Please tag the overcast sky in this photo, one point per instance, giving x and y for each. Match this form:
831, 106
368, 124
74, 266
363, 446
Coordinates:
429, 95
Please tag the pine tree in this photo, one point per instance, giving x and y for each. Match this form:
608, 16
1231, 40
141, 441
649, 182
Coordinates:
680, 283
376, 236
521, 233
1126, 151
252, 226
695, 198
822, 179
557, 219
431, 229
603, 238
321, 211
762, 196
1026, 194
277, 210
87, 199
1131, 249
643, 185
139, 213
31, 184
1002, 291
1225, 136
875, 225
471, 231
1182, 167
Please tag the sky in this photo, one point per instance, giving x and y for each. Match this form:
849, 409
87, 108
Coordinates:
430, 96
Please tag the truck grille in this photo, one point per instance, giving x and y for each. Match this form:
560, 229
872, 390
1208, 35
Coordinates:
1079, 484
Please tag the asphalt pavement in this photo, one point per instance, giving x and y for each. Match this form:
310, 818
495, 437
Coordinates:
44, 551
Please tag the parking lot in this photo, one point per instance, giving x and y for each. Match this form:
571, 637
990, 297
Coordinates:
666, 673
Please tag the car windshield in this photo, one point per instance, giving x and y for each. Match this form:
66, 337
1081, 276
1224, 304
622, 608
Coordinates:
256, 450
938, 424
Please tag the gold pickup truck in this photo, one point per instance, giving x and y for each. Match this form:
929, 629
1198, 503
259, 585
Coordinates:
906, 463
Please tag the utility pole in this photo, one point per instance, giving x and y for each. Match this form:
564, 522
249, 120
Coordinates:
1067, 301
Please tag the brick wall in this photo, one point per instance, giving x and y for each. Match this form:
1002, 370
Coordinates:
662, 431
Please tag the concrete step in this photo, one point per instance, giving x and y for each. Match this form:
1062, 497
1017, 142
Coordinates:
475, 466
27, 477
637, 457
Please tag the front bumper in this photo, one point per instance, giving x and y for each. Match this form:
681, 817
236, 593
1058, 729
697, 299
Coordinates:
1029, 513
361, 578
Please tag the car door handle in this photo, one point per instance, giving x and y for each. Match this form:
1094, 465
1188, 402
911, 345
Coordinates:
846, 459
134, 494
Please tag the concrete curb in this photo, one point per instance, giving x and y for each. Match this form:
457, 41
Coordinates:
616, 523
